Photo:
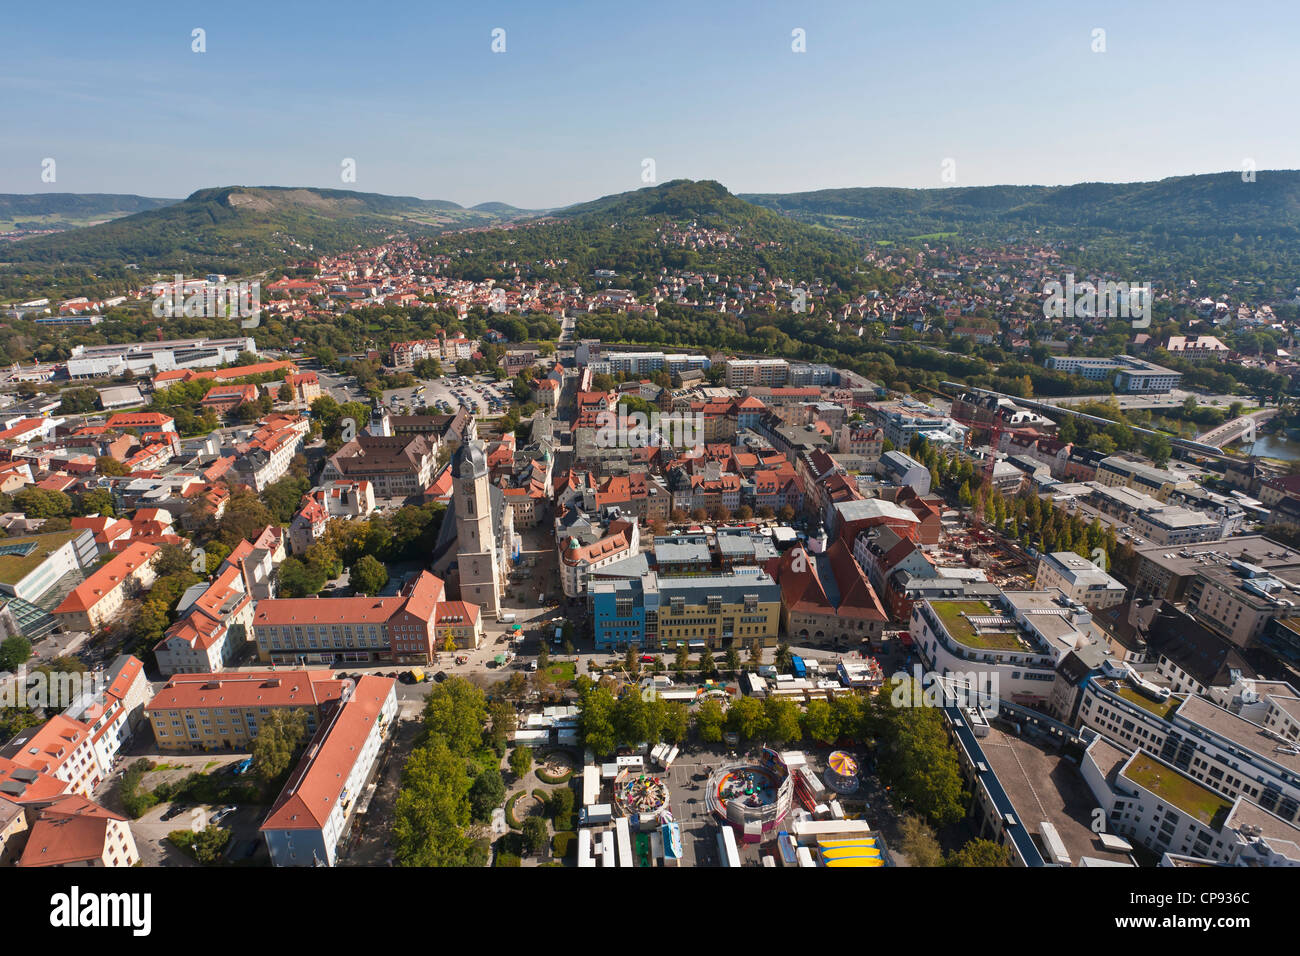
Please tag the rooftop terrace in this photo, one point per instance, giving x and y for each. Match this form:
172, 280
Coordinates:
956, 617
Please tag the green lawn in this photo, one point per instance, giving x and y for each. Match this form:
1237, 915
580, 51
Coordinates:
13, 567
1182, 792
564, 670
961, 630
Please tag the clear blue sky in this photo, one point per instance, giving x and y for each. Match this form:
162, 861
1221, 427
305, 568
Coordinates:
1011, 91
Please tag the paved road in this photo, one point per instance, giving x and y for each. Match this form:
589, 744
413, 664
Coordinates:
1173, 399
1230, 431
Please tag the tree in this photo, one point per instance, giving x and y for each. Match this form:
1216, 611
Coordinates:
747, 718
783, 658
707, 667
96, 501
298, 580
432, 808
782, 720
596, 717
733, 660
39, 503
536, 835
918, 842
918, 762
560, 807
110, 466
673, 720
709, 721
284, 393
206, 846
278, 736
501, 718
14, 652
979, 852
521, 761
819, 722
368, 575
486, 794
633, 720
1159, 449
456, 711
682, 660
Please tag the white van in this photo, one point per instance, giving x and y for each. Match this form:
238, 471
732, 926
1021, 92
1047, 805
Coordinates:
508, 618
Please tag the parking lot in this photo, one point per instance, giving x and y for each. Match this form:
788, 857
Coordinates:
450, 393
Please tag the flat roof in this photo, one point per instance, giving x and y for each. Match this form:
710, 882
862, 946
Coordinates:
1195, 799
14, 566
956, 617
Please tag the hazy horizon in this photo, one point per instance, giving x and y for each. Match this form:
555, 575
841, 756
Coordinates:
1008, 93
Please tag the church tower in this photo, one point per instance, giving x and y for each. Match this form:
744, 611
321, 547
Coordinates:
476, 544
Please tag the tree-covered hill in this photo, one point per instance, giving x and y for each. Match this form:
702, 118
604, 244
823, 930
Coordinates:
234, 229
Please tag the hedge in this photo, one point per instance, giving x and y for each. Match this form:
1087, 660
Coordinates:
510, 812
545, 777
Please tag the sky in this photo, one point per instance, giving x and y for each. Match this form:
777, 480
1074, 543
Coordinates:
915, 94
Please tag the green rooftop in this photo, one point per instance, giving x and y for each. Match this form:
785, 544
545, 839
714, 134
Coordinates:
955, 614
1163, 709
1182, 792
14, 567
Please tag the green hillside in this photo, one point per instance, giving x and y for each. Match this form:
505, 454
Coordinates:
235, 228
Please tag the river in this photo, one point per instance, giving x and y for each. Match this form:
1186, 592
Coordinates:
1277, 445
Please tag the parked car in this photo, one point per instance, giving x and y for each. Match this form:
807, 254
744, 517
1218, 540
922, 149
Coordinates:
174, 811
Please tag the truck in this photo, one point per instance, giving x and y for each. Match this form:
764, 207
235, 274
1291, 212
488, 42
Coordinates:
797, 666
1053, 844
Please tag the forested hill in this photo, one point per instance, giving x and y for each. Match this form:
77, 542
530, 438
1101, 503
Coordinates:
234, 229
1215, 226
1218, 204
44, 211
679, 225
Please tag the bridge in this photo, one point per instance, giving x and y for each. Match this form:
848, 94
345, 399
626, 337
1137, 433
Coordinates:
1229, 432
1197, 448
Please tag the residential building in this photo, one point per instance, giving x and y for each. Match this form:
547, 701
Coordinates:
70, 830
223, 711
100, 598
400, 466
315, 810
410, 627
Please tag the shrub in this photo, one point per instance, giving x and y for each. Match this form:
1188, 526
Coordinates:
545, 777
565, 843
506, 859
